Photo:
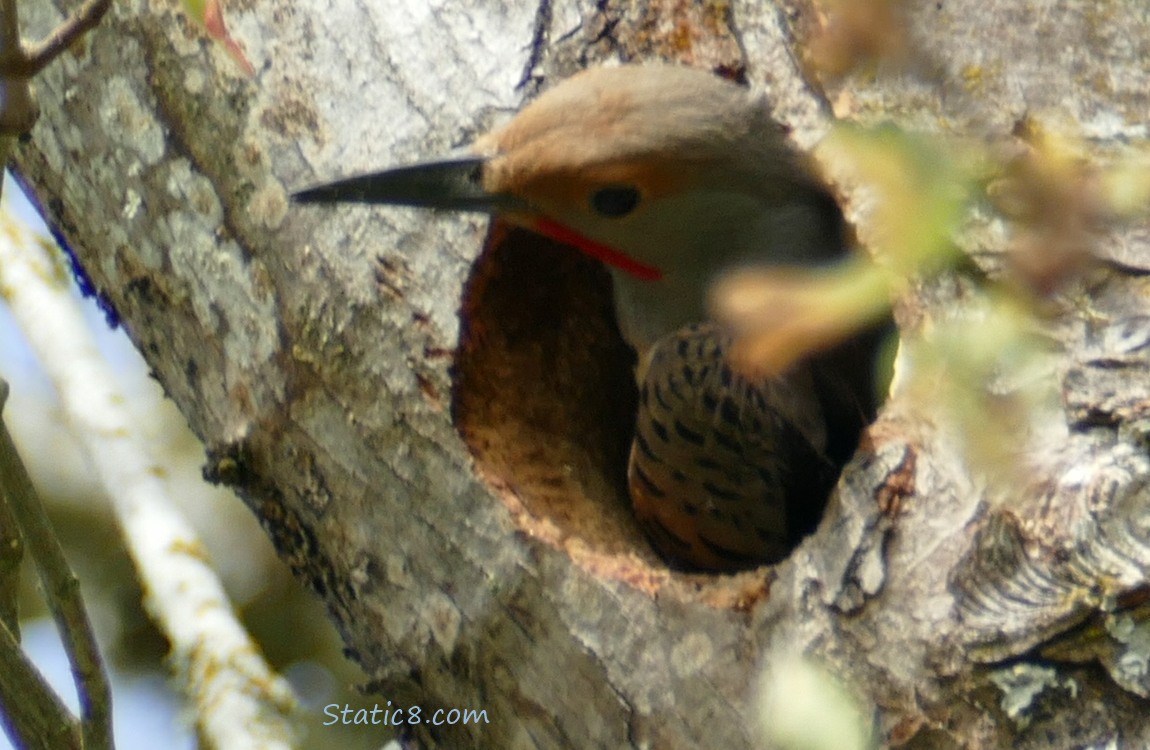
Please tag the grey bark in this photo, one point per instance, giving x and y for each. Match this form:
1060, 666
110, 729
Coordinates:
459, 507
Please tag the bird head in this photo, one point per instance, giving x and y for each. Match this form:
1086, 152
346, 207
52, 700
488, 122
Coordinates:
667, 174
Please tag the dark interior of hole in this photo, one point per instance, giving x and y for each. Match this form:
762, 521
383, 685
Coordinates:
544, 392
851, 380
545, 396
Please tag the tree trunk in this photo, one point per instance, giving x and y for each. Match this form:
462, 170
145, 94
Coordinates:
430, 417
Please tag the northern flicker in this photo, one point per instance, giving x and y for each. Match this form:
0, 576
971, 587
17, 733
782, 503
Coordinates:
672, 176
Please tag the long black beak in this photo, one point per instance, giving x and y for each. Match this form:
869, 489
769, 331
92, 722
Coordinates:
451, 184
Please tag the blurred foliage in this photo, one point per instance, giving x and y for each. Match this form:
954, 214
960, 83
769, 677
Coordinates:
802, 706
853, 34
918, 198
921, 191
209, 15
982, 360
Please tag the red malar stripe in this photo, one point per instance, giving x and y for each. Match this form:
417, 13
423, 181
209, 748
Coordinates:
599, 251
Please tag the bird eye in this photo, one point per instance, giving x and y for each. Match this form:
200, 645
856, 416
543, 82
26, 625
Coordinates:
615, 201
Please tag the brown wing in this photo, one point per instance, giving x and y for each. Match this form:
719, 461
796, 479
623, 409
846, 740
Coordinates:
725, 473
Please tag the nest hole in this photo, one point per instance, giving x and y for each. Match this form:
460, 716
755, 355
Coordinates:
545, 400
545, 397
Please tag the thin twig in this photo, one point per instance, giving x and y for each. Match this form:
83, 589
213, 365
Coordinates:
62, 592
11, 552
19, 63
18, 109
33, 715
10, 49
38, 55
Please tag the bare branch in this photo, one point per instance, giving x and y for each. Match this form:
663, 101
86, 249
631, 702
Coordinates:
32, 714
37, 56
18, 64
11, 552
18, 111
62, 592
239, 700
10, 48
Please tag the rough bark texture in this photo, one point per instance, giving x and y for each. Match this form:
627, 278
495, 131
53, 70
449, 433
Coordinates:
454, 491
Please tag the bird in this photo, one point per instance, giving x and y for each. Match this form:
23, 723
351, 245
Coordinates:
672, 177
